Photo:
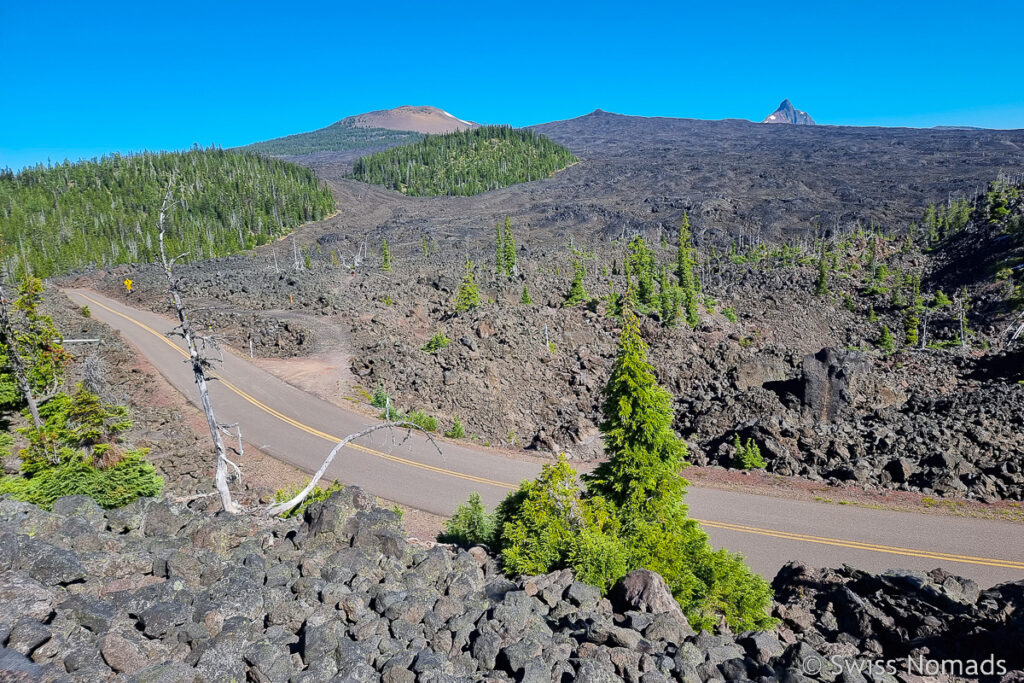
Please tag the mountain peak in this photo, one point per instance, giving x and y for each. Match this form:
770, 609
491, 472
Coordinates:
421, 119
787, 113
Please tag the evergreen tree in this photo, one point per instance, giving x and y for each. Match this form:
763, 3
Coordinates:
641, 482
577, 293
385, 255
821, 283
509, 247
32, 359
525, 298
686, 259
468, 295
913, 317
886, 341
424, 246
641, 262
669, 298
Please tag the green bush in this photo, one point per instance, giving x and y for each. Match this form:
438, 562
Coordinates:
730, 314
468, 296
457, 431
437, 342
422, 420
132, 477
380, 397
78, 452
470, 525
747, 455
318, 494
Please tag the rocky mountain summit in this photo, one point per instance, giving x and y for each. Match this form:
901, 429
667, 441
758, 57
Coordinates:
158, 592
787, 113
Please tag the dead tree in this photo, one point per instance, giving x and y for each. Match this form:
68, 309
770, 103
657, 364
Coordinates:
297, 499
199, 363
9, 340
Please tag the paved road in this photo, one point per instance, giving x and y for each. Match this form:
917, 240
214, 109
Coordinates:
298, 428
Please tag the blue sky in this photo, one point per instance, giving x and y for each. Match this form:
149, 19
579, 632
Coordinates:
82, 79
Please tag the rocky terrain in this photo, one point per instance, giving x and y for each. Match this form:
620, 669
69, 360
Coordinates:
799, 374
155, 592
933, 421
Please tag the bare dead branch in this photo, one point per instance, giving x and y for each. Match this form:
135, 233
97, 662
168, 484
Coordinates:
297, 499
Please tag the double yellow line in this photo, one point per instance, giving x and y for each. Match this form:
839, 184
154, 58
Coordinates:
857, 545
725, 526
299, 425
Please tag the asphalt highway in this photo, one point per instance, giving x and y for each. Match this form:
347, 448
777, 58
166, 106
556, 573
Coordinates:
299, 428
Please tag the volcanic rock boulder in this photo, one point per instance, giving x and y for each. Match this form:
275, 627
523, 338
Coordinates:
832, 379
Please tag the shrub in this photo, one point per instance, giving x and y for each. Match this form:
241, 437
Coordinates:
468, 295
457, 431
380, 397
437, 342
318, 494
470, 525
747, 455
525, 298
730, 314
577, 293
86, 313
886, 342
132, 477
422, 420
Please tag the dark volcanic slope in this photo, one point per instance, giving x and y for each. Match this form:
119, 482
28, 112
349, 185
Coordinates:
742, 176
734, 177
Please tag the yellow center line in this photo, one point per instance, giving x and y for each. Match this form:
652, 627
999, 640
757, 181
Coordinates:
858, 545
306, 428
726, 526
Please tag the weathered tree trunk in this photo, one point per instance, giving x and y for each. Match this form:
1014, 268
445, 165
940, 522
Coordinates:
9, 340
198, 364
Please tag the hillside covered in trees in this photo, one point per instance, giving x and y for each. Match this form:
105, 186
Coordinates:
104, 212
337, 137
464, 163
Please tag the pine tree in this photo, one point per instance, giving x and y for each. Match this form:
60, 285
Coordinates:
641, 482
642, 265
30, 350
686, 259
577, 292
669, 297
509, 248
886, 341
525, 299
821, 283
385, 255
913, 318
424, 246
468, 295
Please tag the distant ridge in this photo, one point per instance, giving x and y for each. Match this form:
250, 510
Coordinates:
787, 113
